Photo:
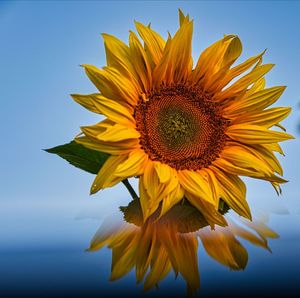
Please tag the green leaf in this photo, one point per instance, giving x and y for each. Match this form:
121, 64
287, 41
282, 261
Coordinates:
81, 157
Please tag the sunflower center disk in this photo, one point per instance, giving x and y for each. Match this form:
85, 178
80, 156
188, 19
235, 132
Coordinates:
181, 126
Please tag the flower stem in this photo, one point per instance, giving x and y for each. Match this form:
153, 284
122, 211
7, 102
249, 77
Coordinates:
130, 189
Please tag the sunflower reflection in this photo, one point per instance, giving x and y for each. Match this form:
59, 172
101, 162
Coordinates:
159, 245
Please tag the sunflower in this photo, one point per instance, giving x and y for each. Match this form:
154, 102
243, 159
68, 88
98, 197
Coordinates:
187, 132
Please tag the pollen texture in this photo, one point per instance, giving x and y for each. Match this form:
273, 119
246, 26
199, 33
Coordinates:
181, 126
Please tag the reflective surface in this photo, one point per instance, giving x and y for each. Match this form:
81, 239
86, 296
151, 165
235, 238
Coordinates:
231, 261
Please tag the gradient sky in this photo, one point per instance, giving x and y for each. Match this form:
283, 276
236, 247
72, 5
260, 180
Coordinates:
43, 44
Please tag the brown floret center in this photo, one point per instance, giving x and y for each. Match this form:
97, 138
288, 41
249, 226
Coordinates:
181, 126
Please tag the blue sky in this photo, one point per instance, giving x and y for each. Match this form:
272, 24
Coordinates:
42, 46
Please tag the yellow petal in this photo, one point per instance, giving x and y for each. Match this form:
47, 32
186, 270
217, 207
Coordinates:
113, 85
134, 165
240, 68
87, 102
94, 130
267, 156
233, 192
242, 84
257, 101
196, 184
148, 205
257, 86
214, 186
163, 171
266, 118
154, 187
108, 131
106, 177
215, 83
274, 147
239, 161
254, 134
171, 199
175, 64
110, 108
208, 210
114, 148
154, 43
118, 56
243, 158
154, 191
117, 133
140, 62
219, 55
182, 18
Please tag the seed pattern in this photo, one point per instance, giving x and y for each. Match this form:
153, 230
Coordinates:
181, 126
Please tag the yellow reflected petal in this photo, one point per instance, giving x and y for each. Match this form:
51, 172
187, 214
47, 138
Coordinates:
157, 246
222, 246
123, 258
161, 266
253, 238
